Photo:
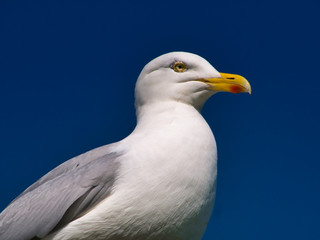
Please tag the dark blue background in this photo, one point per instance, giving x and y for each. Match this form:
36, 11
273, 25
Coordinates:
68, 70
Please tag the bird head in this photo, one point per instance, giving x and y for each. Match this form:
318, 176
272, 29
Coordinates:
184, 77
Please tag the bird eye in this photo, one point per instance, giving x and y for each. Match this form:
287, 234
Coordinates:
179, 67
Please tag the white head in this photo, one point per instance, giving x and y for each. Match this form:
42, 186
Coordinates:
184, 77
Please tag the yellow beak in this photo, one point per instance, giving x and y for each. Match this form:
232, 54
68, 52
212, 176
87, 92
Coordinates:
228, 83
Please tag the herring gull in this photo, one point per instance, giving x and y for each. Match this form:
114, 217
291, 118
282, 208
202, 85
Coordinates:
158, 183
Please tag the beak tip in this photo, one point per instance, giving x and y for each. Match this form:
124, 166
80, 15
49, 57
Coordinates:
248, 87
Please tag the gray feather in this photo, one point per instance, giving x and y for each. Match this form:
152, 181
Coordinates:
61, 196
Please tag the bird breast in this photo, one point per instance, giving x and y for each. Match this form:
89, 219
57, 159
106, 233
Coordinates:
166, 184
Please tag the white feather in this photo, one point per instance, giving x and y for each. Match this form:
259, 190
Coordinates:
166, 183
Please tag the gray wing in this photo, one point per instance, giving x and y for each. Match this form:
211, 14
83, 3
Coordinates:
60, 197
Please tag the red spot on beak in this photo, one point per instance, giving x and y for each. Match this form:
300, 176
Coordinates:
235, 89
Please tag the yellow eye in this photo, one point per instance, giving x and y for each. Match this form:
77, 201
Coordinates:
179, 67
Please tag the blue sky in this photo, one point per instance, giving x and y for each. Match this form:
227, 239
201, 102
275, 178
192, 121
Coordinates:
68, 70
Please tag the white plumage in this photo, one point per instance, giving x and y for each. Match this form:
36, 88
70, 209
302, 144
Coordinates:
165, 178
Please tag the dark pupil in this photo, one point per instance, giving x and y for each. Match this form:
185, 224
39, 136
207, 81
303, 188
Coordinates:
179, 66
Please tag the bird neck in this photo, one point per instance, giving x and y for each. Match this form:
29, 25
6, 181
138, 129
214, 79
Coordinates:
157, 114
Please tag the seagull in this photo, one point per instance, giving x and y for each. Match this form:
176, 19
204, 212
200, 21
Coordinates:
159, 183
